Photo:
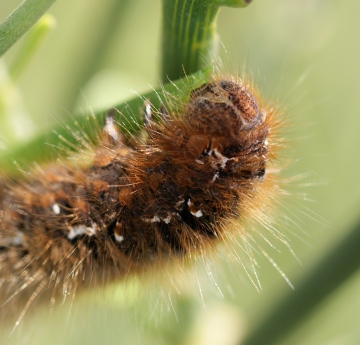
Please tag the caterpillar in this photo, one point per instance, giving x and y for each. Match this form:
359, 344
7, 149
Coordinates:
66, 226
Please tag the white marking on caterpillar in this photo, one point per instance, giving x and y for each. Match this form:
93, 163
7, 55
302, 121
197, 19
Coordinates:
197, 213
157, 219
151, 220
56, 209
119, 238
81, 229
222, 159
167, 219
198, 161
216, 175
111, 129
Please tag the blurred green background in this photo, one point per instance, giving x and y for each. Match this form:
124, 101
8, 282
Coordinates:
306, 53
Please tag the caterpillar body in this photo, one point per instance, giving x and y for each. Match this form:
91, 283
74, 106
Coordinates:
65, 226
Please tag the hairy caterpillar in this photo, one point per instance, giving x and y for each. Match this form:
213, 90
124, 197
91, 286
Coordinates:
67, 226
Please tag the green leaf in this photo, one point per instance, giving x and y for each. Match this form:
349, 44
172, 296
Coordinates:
20, 21
130, 118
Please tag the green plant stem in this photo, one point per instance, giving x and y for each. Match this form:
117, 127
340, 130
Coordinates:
332, 271
130, 118
189, 39
20, 21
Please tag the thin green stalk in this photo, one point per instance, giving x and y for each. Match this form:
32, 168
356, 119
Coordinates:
20, 21
332, 271
189, 34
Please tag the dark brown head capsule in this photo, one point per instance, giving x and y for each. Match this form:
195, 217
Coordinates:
228, 124
229, 106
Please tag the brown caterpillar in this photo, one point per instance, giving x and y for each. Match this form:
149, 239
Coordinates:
66, 226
